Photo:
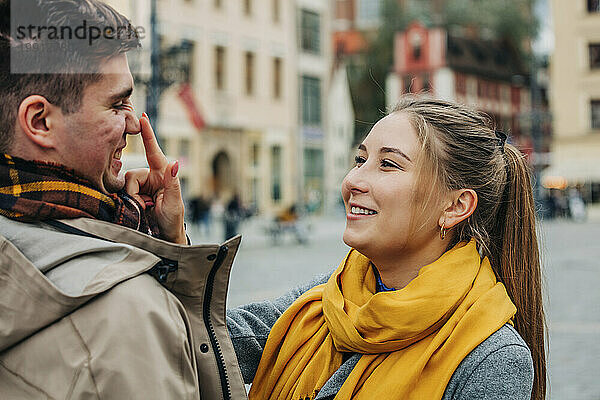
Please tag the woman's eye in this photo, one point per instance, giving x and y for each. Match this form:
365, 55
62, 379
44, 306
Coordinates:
389, 164
359, 160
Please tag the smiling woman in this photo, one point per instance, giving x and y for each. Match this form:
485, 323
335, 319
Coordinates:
440, 295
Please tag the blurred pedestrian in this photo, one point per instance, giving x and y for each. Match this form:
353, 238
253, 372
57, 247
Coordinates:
561, 204
289, 221
576, 205
234, 213
440, 294
200, 210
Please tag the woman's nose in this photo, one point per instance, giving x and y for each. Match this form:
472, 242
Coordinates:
355, 181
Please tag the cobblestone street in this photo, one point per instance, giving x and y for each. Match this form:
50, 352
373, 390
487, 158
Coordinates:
571, 255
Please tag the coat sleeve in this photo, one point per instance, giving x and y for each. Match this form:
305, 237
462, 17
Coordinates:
249, 325
505, 374
139, 344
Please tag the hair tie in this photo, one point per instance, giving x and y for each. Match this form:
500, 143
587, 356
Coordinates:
501, 139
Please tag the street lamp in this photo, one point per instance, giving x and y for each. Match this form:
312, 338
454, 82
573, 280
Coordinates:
168, 67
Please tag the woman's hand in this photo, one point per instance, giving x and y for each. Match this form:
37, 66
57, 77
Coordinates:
158, 189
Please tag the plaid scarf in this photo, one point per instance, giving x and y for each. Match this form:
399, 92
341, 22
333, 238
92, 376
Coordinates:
37, 191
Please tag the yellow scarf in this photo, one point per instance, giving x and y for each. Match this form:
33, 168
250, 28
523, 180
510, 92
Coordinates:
411, 339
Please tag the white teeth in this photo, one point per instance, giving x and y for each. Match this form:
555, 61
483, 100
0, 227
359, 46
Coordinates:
363, 211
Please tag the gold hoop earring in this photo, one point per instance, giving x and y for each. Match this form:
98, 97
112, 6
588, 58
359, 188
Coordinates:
443, 231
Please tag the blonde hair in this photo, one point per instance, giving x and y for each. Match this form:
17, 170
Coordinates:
460, 150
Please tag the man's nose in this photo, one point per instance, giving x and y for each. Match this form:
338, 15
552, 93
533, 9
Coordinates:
132, 123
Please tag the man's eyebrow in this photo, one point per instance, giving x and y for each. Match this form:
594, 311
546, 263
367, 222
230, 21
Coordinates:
387, 150
125, 93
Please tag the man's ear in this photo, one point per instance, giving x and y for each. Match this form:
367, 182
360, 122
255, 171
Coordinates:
464, 203
36, 118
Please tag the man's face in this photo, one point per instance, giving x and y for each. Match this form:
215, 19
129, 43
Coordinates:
92, 139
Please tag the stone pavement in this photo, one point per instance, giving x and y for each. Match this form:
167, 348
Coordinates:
571, 255
572, 259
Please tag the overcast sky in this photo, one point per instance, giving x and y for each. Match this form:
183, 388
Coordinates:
545, 41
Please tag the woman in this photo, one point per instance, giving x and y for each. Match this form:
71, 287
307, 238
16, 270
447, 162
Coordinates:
440, 296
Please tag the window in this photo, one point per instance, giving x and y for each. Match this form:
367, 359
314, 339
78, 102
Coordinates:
515, 126
220, 67
184, 148
247, 7
593, 6
311, 100
594, 49
255, 154
276, 173
426, 82
461, 84
407, 84
416, 44
495, 91
277, 67
313, 178
313, 163
310, 35
249, 57
595, 104
369, 12
254, 191
276, 11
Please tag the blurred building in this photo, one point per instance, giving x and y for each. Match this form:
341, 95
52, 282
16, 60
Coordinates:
484, 74
340, 138
357, 15
247, 107
575, 95
231, 118
314, 72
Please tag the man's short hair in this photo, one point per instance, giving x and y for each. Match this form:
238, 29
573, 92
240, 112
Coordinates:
52, 48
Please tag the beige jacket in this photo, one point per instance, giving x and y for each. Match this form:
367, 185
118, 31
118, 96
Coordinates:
80, 318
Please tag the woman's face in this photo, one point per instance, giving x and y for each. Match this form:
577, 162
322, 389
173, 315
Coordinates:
378, 192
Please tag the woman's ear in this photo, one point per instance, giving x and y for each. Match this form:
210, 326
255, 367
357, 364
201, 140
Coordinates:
464, 203
36, 118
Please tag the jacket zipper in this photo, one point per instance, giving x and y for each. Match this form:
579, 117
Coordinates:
225, 385
160, 272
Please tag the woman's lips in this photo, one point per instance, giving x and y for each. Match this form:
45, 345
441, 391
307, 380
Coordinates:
354, 217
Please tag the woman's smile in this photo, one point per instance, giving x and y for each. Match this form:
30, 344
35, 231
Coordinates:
357, 212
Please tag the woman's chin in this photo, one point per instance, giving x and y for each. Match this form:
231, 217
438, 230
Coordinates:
354, 239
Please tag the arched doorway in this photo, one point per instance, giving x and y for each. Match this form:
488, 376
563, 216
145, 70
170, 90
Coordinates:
222, 174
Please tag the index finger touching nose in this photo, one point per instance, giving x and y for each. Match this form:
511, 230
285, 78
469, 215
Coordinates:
154, 155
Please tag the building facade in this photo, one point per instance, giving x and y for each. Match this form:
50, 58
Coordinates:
238, 75
340, 137
247, 107
575, 94
480, 73
314, 73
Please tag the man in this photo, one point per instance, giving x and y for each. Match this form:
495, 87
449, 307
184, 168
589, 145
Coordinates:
100, 296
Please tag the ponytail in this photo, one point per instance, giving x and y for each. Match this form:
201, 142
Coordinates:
514, 247
463, 150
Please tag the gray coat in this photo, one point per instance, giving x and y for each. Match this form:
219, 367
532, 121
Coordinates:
499, 368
